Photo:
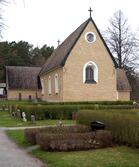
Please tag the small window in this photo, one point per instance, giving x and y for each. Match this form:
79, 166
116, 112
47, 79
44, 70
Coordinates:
49, 86
42, 84
90, 37
56, 84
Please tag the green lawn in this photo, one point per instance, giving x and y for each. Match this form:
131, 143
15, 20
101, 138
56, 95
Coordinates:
18, 137
6, 120
108, 157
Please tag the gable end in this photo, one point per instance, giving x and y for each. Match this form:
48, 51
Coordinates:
60, 55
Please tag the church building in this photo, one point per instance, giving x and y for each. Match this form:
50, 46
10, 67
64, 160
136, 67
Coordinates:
82, 68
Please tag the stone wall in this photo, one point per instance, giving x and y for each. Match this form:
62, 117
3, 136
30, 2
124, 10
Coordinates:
54, 97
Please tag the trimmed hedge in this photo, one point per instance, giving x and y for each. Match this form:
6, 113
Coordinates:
26, 102
62, 111
74, 141
123, 125
87, 102
30, 134
48, 112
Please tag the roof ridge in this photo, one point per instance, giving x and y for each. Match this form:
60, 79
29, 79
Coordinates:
106, 46
23, 66
68, 50
61, 53
87, 21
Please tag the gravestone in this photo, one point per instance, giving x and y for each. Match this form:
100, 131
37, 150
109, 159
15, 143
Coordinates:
32, 119
24, 116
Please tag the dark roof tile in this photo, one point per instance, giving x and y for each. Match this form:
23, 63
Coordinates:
22, 77
122, 81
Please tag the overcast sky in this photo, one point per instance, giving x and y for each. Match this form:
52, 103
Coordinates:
45, 21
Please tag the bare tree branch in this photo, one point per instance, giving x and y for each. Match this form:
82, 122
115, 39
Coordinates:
122, 42
1, 23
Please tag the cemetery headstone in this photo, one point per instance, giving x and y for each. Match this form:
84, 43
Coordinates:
24, 116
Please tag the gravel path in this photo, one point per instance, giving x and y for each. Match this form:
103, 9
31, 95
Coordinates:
12, 156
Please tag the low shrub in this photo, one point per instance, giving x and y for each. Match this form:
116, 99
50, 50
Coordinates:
88, 102
102, 107
74, 141
48, 112
26, 102
42, 112
123, 125
30, 134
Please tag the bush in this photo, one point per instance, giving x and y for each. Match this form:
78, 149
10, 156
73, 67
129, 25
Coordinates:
102, 107
48, 112
123, 125
74, 141
42, 112
88, 102
30, 134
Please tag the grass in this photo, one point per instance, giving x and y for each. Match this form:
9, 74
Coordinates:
108, 157
18, 137
6, 120
15, 102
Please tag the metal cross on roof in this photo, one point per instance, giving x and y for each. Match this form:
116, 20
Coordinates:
90, 11
58, 42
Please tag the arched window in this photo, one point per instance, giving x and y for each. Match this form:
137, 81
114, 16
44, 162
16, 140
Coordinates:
49, 86
56, 84
90, 72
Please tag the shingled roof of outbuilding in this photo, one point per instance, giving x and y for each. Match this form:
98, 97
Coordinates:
60, 55
122, 81
23, 78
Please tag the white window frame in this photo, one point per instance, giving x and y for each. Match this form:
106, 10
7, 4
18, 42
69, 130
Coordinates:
95, 68
56, 84
49, 86
1, 91
92, 34
42, 84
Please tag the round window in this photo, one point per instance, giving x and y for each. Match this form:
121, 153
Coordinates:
90, 37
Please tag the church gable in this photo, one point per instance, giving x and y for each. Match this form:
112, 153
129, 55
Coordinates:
92, 44
60, 55
90, 68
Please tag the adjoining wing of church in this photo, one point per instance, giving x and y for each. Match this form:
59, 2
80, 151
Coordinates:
80, 69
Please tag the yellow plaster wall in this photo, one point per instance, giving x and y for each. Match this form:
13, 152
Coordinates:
73, 87
124, 96
14, 94
53, 97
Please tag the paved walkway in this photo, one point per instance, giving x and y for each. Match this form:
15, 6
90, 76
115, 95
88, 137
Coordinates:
26, 127
12, 156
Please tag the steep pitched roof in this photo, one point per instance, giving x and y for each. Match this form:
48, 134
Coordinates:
135, 89
60, 55
122, 81
22, 77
